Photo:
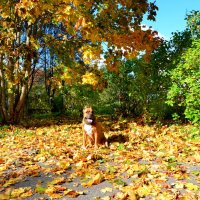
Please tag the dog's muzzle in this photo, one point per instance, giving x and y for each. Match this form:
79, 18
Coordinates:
89, 120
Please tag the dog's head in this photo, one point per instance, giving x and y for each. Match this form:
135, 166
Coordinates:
88, 115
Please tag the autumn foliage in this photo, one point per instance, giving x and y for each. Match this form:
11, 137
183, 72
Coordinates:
158, 162
98, 52
76, 33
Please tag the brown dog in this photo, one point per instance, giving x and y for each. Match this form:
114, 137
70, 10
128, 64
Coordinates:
92, 130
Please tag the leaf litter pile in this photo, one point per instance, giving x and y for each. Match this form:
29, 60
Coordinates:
141, 162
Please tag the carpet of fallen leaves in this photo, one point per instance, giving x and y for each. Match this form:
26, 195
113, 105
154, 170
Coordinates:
46, 161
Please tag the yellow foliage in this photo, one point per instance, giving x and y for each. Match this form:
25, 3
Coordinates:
21, 192
90, 54
34, 43
107, 24
144, 190
191, 186
67, 10
61, 145
90, 78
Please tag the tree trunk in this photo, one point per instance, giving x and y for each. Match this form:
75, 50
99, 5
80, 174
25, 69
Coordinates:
3, 109
13, 91
27, 72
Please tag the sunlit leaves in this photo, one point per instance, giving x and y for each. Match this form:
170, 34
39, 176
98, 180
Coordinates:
186, 83
191, 186
90, 78
67, 34
98, 178
57, 191
31, 10
90, 54
22, 192
134, 168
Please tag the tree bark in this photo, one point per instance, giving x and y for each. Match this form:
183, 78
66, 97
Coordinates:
27, 72
3, 109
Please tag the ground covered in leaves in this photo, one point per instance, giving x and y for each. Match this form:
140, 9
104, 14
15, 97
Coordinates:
46, 161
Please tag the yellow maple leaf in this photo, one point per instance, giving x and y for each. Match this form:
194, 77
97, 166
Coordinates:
4, 196
144, 190
191, 186
94, 181
2, 168
34, 43
121, 196
63, 164
12, 181
196, 156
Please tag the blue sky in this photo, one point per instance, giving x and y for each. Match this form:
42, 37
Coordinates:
171, 14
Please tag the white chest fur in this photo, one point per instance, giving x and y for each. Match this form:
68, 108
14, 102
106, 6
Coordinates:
88, 129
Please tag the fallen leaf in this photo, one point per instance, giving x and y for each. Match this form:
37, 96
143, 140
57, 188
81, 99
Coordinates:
72, 193
144, 190
191, 186
12, 181
179, 185
2, 168
40, 189
94, 181
57, 181
121, 196
4, 196
21, 192
107, 189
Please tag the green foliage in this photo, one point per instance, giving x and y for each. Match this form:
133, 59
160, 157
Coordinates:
185, 90
38, 102
76, 97
122, 96
140, 87
57, 103
193, 22
176, 117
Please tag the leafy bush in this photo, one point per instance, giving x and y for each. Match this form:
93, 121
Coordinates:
185, 90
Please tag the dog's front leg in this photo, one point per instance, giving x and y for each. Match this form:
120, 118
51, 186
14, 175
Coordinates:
95, 139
